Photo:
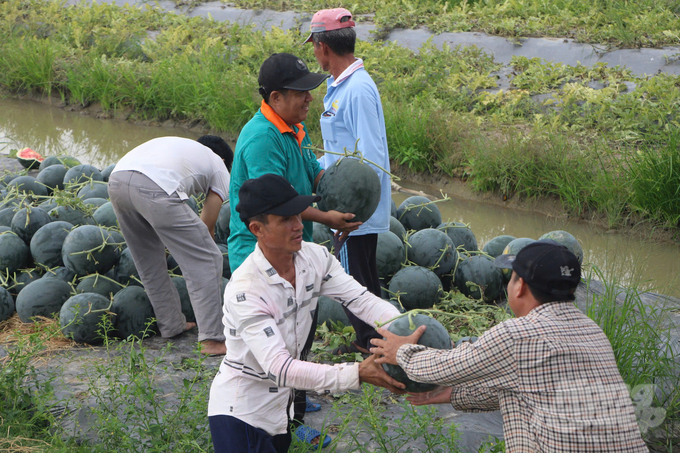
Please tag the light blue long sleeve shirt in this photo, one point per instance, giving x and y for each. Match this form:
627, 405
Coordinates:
353, 111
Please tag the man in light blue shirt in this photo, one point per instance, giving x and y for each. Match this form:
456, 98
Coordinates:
353, 111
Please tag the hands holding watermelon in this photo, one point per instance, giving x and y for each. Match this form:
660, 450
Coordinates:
372, 373
440, 395
387, 348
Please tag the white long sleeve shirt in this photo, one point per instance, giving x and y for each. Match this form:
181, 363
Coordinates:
267, 322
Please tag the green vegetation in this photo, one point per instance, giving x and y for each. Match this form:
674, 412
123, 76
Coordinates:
603, 152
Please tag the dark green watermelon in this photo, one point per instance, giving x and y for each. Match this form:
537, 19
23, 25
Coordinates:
23, 278
14, 253
397, 305
496, 245
94, 189
349, 185
418, 213
432, 249
6, 305
222, 224
6, 216
106, 173
331, 311
322, 235
82, 173
393, 209
134, 314
226, 270
478, 278
53, 177
27, 221
29, 185
42, 297
191, 201
125, 270
173, 267
96, 202
47, 242
187, 309
460, 235
66, 161
99, 284
4, 228
71, 215
61, 273
566, 239
105, 216
48, 205
89, 249
417, 287
390, 254
513, 248
397, 228
435, 337
82, 315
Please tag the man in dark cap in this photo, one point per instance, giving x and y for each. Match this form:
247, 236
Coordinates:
269, 311
551, 370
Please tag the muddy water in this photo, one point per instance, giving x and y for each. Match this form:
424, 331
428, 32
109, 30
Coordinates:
51, 131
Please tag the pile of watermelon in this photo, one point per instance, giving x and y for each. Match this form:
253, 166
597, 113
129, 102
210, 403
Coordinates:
62, 253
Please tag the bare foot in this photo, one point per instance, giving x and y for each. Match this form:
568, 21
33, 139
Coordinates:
212, 347
189, 326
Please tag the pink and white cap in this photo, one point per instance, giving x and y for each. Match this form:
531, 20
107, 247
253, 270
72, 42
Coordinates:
330, 19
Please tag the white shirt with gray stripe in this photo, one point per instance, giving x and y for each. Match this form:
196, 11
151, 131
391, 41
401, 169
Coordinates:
267, 322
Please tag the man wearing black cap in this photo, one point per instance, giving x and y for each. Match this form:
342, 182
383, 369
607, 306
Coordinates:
274, 142
269, 307
551, 370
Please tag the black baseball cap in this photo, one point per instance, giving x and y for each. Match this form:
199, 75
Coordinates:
286, 71
271, 194
546, 266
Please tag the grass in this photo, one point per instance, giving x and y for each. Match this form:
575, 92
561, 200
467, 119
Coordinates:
600, 151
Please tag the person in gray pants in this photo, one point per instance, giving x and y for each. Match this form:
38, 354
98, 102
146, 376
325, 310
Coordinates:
147, 188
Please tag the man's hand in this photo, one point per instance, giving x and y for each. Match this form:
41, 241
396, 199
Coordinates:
440, 395
388, 347
341, 221
372, 373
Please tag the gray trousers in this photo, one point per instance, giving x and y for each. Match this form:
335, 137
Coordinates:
150, 221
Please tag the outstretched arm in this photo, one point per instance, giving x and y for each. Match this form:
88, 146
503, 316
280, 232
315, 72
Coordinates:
211, 210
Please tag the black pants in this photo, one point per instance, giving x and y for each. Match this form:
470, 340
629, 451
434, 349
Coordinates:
231, 435
358, 256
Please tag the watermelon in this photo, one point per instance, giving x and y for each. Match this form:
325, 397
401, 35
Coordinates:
133, 313
27, 221
82, 173
191, 201
71, 215
393, 209
496, 245
94, 189
322, 235
4, 228
418, 213
14, 253
566, 239
478, 278
6, 216
22, 279
48, 204
461, 235
226, 270
66, 161
6, 305
513, 248
47, 242
432, 249
61, 273
390, 254
29, 158
187, 309
105, 216
397, 228
331, 311
7, 177
89, 249
53, 177
99, 284
349, 185
96, 202
42, 297
106, 173
29, 185
173, 267
397, 305
81, 317
222, 224
125, 269
435, 337
416, 287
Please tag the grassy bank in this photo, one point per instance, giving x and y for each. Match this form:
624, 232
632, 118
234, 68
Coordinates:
609, 151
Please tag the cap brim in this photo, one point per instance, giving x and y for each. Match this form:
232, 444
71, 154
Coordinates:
309, 38
308, 82
504, 261
295, 205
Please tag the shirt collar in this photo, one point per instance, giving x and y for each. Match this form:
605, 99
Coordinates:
265, 267
358, 64
281, 125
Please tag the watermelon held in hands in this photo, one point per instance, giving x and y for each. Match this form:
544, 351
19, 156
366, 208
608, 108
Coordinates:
29, 158
435, 337
82, 315
350, 185
418, 213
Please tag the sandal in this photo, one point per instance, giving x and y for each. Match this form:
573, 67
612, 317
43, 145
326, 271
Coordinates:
307, 434
311, 406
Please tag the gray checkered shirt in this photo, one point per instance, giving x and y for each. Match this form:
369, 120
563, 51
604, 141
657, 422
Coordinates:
551, 373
